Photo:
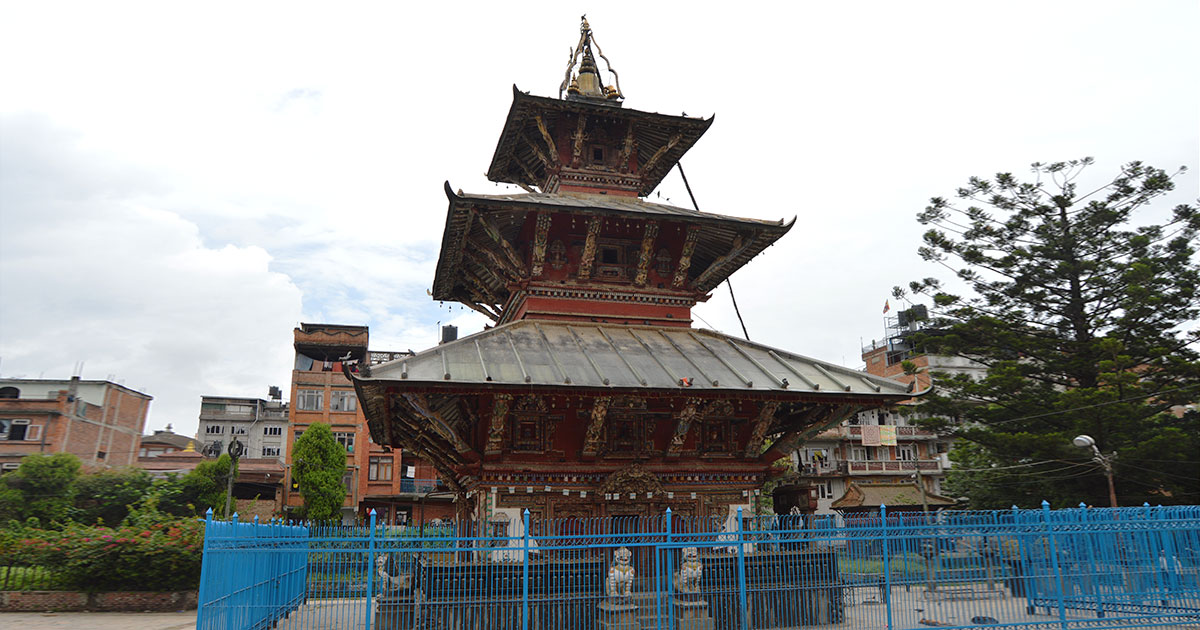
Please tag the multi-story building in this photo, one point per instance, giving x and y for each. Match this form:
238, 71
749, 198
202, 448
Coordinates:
100, 422
398, 487
260, 425
882, 446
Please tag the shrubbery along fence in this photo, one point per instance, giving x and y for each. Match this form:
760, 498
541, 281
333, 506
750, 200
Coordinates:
1072, 568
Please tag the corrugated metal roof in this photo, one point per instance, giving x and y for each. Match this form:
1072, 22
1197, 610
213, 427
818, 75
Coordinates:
587, 355
625, 205
893, 495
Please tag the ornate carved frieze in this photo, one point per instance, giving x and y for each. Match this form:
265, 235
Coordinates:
643, 268
540, 234
500, 405
595, 431
588, 258
632, 479
766, 415
685, 257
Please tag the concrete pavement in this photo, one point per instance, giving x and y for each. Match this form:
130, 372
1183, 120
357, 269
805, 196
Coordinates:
99, 621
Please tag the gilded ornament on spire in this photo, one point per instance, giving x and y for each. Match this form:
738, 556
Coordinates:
586, 83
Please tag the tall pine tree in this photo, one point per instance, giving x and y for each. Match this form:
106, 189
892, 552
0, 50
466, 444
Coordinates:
1086, 321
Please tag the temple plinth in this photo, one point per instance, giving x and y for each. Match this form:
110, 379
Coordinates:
593, 394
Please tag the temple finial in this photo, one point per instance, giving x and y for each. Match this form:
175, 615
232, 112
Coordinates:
586, 84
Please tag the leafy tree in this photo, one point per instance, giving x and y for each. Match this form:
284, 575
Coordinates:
1081, 319
207, 483
318, 465
42, 488
106, 496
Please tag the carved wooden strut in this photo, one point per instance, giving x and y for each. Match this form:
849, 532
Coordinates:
595, 430
495, 441
643, 267
588, 257
685, 257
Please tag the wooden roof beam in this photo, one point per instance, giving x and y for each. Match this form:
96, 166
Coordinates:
812, 422
494, 233
658, 155
740, 245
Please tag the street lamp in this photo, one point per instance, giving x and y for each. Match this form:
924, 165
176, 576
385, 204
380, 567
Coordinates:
1105, 461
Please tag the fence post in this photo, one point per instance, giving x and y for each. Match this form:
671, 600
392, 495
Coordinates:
205, 570
887, 566
742, 571
1058, 576
657, 576
370, 568
525, 575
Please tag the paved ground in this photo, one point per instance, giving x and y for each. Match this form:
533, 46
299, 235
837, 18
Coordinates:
98, 621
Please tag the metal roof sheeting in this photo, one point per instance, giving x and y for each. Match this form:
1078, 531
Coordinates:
586, 355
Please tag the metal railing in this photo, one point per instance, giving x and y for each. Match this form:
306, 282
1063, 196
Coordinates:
1027, 569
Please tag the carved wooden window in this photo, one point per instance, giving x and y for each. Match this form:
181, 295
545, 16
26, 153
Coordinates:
663, 262
528, 433
612, 260
717, 435
624, 434
558, 255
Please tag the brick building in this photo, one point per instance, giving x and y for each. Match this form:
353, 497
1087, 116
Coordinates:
99, 421
882, 447
400, 488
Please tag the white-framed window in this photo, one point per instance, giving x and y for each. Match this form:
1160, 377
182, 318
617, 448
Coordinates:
342, 400
310, 399
906, 452
214, 429
380, 469
237, 430
272, 430
858, 453
825, 489
270, 451
345, 439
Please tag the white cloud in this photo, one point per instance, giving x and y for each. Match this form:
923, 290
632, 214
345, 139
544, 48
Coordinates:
176, 180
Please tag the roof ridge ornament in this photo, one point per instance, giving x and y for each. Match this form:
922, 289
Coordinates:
586, 83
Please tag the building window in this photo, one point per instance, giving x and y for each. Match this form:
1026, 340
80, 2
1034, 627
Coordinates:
348, 480
101, 454
236, 430
380, 469
208, 407
345, 439
825, 490
270, 451
16, 430
214, 429
342, 400
10, 392
858, 454
297, 435
272, 430
906, 452
310, 399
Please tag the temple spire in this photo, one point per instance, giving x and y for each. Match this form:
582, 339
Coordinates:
586, 84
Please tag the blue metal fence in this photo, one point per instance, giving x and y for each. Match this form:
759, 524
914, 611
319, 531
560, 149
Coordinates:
1072, 568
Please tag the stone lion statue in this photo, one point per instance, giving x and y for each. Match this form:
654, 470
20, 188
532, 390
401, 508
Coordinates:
687, 578
621, 574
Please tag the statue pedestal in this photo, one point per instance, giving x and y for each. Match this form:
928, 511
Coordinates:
618, 615
692, 614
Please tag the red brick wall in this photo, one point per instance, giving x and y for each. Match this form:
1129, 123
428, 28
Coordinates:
128, 601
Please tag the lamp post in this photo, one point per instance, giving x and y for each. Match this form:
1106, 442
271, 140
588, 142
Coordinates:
1105, 461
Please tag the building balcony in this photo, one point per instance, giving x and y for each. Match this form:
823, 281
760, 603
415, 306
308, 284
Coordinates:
822, 470
421, 486
893, 466
902, 433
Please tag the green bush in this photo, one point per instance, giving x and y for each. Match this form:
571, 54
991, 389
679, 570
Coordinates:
150, 551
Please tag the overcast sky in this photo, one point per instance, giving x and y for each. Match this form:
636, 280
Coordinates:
181, 185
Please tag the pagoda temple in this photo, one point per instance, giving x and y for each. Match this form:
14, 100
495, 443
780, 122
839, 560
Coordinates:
592, 394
